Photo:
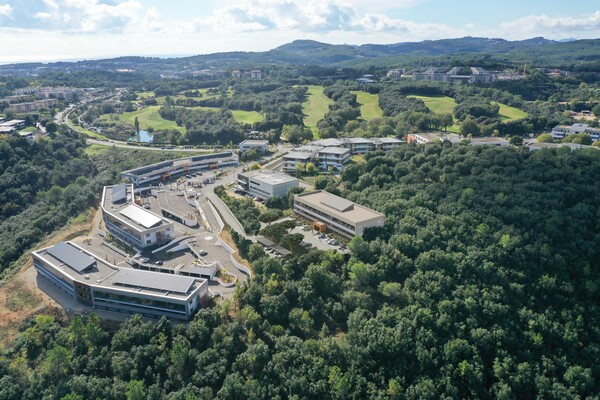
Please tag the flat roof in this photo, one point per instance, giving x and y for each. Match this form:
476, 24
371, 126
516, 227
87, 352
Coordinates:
153, 281
148, 169
335, 150
298, 155
256, 142
273, 178
119, 194
330, 142
387, 140
337, 206
140, 216
71, 257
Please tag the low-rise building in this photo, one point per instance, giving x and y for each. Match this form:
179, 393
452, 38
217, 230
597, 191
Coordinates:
256, 74
333, 157
261, 145
359, 145
488, 141
430, 137
395, 73
33, 105
293, 158
562, 131
266, 184
386, 143
338, 214
155, 173
97, 283
131, 223
13, 124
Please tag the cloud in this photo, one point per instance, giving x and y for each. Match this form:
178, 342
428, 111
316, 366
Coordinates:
5, 10
544, 25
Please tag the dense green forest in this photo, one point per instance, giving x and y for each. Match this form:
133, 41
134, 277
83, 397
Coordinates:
484, 283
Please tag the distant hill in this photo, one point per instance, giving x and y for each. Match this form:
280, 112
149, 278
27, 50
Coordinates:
538, 50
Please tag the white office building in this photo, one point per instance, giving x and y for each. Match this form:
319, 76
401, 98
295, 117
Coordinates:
131, 223
261, 145
266, 184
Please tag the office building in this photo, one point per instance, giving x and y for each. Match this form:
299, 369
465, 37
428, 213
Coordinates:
338, 214
266, 184
131, 223
155, 173
562, 131
333, 157
261, 145
97, 283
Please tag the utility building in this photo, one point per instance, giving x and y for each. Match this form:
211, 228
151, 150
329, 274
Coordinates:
266, 184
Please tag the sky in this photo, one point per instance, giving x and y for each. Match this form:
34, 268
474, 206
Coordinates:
49, 30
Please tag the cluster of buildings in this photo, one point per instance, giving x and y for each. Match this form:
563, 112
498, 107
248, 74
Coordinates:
477, 75
32, 106
61, 93
254, 74
334, 154
562, 131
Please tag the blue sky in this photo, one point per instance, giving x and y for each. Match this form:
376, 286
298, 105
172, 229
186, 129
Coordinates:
76, 29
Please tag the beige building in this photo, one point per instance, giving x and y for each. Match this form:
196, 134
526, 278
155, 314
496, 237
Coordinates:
340, 215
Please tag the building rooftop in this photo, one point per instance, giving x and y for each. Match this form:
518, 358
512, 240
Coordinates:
338, 207
119, 203
166, 165
255, 142
102, 273
273, 178
334, 150
299, 155
387, 140
331, 142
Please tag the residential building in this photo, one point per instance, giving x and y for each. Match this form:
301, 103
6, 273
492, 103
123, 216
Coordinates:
333, 157
359, 145
13, 125
33, 106
293, 158
131, 223
561, 131
478, 75
395, 74
386, 143
256, 74
155, 173
266, 185
26, 135
338, 214
261, 145
236, 73
97, 283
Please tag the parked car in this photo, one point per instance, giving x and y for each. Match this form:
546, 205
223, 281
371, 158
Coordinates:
322, 236
202, 252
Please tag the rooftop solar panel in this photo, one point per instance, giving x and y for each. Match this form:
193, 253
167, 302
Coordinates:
140, 216
71, 256
119, 193
153, 281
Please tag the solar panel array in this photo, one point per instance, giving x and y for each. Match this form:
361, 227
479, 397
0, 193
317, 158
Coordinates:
119, 193
71, 256
153, 281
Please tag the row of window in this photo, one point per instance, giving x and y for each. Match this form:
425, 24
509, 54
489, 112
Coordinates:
138, 301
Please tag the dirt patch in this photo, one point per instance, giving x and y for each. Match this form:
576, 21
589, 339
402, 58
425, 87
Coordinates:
19, 296
226, 237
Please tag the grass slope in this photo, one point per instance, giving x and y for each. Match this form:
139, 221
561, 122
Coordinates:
445, 104
369, 105
149, 117
315, 107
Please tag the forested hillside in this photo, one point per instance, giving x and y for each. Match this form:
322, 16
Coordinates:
483, 284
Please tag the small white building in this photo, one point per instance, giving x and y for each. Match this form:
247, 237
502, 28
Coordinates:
261, 145
266, 184
335, 157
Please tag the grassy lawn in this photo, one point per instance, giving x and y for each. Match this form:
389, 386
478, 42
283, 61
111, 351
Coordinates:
315, 107
96, 149
438, 104
29, 129
508, 113
149, 117
247, 117
145, 95
369, 105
